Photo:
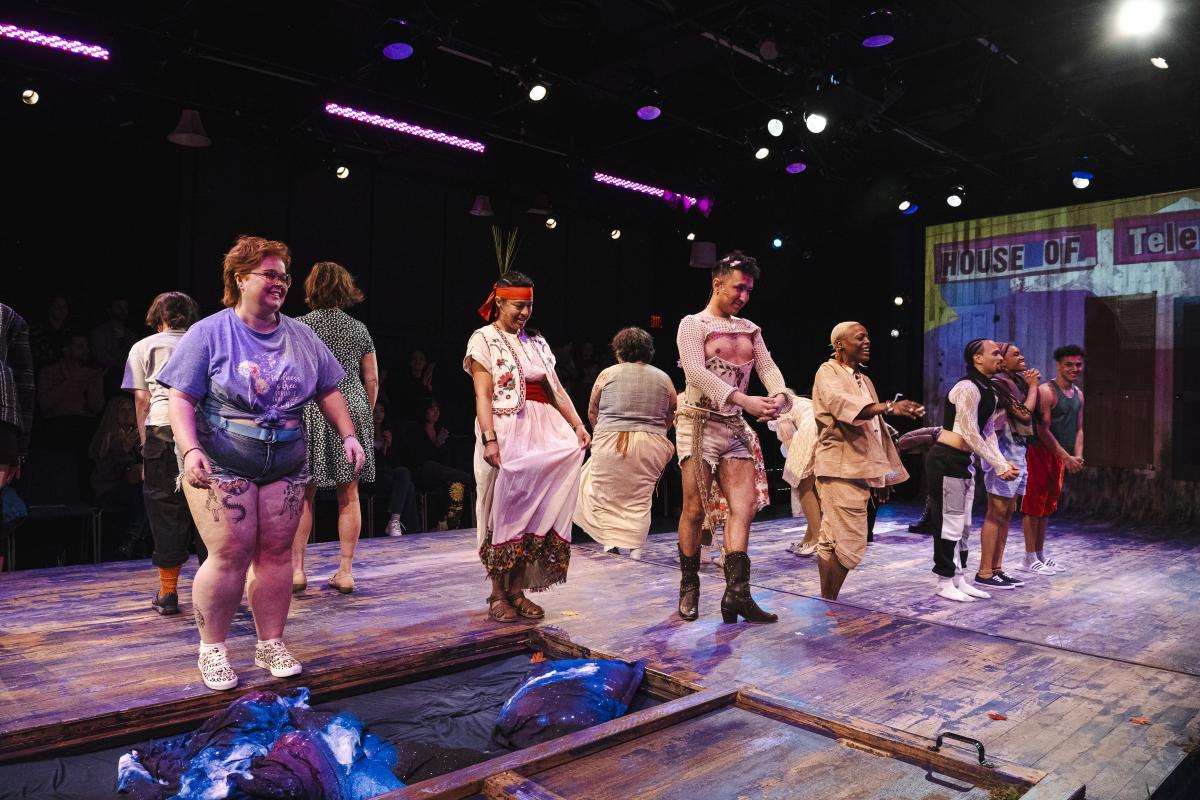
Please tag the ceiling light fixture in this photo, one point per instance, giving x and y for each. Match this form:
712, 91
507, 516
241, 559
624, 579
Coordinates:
691, 237
551, 223
54, 42
777, 243
367, 118
956, 195
878, 29
649, 106
775, 126
644, 188
397, 51
30, 97
762, 153
815, 122
190, 131
1139, 17
1160, 62
342, 172
615, 234
898, 300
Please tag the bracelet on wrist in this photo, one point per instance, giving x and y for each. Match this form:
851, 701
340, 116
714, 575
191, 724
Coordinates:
483, 438
350, 436
888, 407
190, 449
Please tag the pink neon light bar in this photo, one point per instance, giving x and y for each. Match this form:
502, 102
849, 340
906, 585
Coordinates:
55, 42
403, 127
644, 188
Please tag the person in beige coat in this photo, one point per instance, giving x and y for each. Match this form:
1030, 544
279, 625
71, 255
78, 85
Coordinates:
854, 453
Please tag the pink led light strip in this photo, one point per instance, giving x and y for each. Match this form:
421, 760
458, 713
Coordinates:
643, 188
54, 42
403, 127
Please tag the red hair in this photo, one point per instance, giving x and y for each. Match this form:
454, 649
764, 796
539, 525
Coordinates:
244, 257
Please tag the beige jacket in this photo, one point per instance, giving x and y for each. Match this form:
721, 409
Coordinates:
847, 448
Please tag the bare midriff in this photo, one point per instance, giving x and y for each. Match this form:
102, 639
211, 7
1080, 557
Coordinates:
952, 439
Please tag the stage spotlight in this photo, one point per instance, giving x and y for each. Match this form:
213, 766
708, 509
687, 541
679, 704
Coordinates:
30, 97
397, 51
341, 171
1138, 17
762, 153
551, 223
1160, 62
537, 91
1081, 179
894, 333
777, 243
775, 126
878, 29
794, 160
615, 234
956, 195
815, 122
908, 207
648, 105
691, 237
898, 300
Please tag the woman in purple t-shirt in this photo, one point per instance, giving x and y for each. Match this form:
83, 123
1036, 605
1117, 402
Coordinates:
239, 380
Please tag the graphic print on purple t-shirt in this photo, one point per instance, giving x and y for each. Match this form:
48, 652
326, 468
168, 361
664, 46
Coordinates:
241, 373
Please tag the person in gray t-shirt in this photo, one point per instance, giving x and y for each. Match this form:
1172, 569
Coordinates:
171, 526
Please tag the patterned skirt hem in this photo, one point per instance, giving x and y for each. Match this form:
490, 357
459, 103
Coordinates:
546, 558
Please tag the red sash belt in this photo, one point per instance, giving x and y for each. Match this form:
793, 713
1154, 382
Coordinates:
536, 392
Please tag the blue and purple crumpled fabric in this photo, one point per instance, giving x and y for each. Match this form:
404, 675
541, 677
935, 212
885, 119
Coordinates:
264, 745
560, 697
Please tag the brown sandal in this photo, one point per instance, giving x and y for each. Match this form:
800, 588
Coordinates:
500, 609
526, 607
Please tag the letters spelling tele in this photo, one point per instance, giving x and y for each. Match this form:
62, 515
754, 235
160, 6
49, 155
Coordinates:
1171, 239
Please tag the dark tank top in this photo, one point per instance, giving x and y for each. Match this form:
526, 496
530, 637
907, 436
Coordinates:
1064, 418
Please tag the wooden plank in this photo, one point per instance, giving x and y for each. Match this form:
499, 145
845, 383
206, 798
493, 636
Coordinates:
152, 718
1054, 787
905, 745
470, 780
511, 786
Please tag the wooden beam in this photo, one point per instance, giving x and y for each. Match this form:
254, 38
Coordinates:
511, 786
657, 683
902, 744
156, 718
470, 780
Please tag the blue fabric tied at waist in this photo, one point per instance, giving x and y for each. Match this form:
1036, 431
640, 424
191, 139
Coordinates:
267, 430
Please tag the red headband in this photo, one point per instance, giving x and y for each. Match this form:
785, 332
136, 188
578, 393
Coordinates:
504, 293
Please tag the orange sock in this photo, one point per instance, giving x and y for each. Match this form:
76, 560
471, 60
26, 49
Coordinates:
168, 579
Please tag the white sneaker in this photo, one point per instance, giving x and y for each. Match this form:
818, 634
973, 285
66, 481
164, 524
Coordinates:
215, 670
960, 581
1037, 568
274, 655
395, 527
636, 554
1054, 565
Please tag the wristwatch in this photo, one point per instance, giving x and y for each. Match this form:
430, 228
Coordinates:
888, 407
486, 441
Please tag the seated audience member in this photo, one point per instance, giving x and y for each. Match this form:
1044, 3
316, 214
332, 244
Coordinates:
428, 455
111, 342
48, 337
393, 480
69, 397
116, 455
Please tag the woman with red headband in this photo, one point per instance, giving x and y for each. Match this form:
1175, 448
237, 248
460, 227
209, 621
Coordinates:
528, 454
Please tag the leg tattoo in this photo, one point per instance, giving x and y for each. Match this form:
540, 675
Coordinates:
199, 616
234, 488
293, 494
212, 505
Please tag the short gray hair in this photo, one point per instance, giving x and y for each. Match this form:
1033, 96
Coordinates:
840, 330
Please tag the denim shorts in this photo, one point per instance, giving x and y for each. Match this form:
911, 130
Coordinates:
1014, 452
233, 456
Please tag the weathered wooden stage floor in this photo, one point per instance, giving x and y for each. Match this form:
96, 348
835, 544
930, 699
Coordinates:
1069, 660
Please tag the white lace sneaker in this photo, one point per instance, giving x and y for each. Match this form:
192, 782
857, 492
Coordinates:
1037, 568
274, 655
394, 527
215, 670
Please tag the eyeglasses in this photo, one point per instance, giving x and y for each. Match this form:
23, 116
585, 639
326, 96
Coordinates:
276, 277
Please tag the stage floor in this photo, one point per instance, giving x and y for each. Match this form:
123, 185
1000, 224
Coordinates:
1069, 659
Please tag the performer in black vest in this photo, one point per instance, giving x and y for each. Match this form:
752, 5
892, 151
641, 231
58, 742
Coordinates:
969, 427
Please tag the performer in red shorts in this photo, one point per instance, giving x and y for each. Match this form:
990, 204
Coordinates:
1059, 447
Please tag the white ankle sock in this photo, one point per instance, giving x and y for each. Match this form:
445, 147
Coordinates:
204, 647
961, 583
262, 642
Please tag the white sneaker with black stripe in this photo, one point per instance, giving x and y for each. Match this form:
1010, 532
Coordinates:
1054, 565
1037, 568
